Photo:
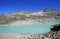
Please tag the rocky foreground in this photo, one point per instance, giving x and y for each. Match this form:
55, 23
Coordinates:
49, 35
53, 34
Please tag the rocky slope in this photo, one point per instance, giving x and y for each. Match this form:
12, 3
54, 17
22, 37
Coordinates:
45, 15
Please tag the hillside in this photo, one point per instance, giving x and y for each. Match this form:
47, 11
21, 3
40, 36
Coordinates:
45, 15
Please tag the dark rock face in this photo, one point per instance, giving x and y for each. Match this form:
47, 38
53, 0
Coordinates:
58, 14
56, 27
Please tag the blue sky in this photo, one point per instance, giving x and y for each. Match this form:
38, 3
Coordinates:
8, 6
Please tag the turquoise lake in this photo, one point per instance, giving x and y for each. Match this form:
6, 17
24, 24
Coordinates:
33, 28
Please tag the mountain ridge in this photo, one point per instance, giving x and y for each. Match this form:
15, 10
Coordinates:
41, 16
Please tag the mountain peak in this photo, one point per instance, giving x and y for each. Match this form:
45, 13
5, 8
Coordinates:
50, 10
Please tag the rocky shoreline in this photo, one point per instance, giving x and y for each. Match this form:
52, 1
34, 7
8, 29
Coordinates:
49, 35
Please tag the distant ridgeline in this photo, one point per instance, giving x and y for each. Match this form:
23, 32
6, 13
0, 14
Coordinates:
46, 15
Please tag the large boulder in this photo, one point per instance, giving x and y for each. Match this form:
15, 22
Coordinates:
56, 27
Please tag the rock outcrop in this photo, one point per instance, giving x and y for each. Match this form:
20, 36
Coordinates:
56, 27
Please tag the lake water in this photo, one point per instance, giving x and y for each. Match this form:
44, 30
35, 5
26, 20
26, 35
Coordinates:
33, 28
